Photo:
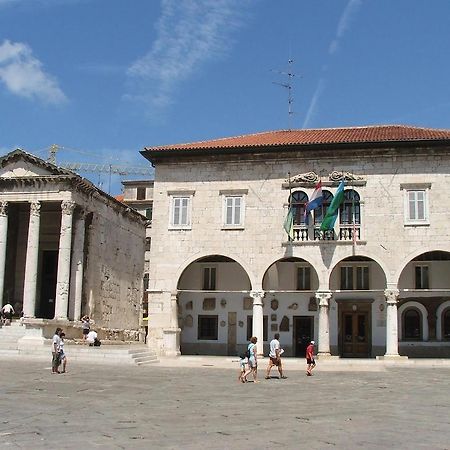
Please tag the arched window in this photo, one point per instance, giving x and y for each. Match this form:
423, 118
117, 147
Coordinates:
319, 213
412, 325
349, 211
298, 203
446, 325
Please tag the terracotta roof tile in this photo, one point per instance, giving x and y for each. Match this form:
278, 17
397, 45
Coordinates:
365, 134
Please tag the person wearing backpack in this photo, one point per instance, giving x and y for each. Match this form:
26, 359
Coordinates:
252, 360
243, 361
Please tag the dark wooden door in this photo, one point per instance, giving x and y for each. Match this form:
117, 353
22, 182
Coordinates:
303, 334
355, 334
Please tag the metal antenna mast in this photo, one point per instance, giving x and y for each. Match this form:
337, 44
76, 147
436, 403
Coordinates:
288, 85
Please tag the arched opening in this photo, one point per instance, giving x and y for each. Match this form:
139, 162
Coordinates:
412, 325
214, 301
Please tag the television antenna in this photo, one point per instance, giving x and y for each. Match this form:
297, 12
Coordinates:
288, 86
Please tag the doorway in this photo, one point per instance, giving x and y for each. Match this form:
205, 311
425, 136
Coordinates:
48, 284
303, 334
355, 331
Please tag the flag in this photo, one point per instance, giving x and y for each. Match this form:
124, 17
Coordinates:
332, 211
289, 223
315, 201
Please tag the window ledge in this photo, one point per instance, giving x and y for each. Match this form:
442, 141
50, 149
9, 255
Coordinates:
230, 227
187, 228
417, 224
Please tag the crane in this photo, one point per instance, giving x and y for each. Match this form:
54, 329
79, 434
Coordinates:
111, 169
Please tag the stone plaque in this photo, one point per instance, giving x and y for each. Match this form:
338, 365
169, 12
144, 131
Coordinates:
222, 323
188, 321
284, 325
209, 304
189, 305
273, 317
273, 327
274, 304
312, 305
248, 303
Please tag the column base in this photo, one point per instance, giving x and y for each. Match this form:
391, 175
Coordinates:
171, 341
391, 357
324, 355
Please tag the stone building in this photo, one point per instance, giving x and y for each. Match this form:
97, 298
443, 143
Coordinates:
68, 249
223, 267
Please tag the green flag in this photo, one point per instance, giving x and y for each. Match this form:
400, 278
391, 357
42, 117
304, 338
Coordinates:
289, 224
332, 211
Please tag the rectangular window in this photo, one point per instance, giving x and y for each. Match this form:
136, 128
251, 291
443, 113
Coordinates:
233, 210
149, 213
209, 278
146, 280
180, 211
148, 244
208, 328
140, 193
421, 277
416, 206
303, 278
355, 278
250, 327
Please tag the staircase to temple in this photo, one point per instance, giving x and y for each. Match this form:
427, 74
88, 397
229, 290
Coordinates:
108, 353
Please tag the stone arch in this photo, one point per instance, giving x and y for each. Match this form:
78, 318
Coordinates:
294, 260
193, 259
440, 310
405, 261
423, 316
381, 273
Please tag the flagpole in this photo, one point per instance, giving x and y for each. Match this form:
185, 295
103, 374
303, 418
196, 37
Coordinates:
353, 217
290, 193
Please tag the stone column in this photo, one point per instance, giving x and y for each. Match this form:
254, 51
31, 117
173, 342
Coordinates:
258, 319
31, 264
172, 334
3, 242
65, 246
77, 266
324, 322
391, 322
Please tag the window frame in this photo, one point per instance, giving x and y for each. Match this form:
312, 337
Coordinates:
215, 335
422, 266
354, 274
301, 267
188, 223
233, 197
141, 193
416, 188
207, 283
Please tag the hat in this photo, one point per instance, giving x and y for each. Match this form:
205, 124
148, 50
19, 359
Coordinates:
312, 342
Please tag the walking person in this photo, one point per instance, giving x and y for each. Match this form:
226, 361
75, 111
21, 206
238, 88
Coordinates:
252, 360
85, 325
56, 341
243, 362
310, 361
275, 356
62, 353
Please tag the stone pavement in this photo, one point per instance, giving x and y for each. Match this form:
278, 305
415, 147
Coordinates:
160, 407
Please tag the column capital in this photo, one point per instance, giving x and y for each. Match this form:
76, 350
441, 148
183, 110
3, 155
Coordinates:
3, 209
257, 297
35, 208
324, 297
67, 207
391, 296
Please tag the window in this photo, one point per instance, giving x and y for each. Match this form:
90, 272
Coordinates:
416, 207
319, 213
209, 278
146, 280
180, 212
149, 212
298, 201
303, 278
421, 277
148, 244
412, 325
233, 210
350, 210
446, 324
140, 193
208, 328
355, 278
250, 327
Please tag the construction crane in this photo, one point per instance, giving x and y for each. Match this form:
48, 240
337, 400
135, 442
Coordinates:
111, 169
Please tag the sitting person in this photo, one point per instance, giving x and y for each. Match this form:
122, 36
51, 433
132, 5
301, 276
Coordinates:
92, 339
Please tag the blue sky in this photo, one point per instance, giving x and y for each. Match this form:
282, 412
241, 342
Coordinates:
104, 78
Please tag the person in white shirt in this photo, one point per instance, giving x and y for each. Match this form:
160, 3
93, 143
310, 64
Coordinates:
92, 339
62, 354
275, 356
7, 312
56, 341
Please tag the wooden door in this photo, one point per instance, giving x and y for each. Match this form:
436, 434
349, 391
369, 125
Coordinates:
355, 328
303, 334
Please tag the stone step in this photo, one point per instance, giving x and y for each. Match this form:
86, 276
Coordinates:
146, 358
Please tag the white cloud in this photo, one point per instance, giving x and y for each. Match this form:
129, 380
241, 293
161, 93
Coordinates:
189, 33
313, 106
344, 24
23, 74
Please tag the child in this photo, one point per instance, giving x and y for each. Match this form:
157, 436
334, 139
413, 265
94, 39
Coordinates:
62, 355
243, 361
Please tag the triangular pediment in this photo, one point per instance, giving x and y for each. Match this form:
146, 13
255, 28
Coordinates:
20, 164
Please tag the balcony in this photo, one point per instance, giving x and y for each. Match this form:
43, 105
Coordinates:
348, 233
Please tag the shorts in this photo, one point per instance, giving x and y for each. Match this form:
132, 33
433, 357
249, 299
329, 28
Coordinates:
275, 361
56, 360
310, 361
252, 363
85, 331
62, 356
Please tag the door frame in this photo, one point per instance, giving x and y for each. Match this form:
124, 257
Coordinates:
354, 307
295, 330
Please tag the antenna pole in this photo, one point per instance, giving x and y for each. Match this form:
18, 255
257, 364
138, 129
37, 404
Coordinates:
52, 154
290, 75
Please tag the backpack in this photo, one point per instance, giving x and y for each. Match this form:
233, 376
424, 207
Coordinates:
246, 354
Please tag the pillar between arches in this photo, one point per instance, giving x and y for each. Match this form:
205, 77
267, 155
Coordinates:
258, 320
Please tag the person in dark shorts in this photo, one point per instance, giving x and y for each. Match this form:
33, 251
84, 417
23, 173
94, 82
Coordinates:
56, 341
85, 325
275, 356
310, 361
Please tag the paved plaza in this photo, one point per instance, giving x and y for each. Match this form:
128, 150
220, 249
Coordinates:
128, 407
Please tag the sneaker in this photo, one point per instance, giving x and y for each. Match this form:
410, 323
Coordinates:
283, 377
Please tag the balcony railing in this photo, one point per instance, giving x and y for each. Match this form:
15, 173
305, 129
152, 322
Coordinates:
344, 233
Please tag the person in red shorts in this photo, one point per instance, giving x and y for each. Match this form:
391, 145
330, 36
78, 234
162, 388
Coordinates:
311, 363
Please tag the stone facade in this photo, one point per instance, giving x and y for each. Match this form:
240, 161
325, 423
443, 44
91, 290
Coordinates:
68, 249
255, 257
